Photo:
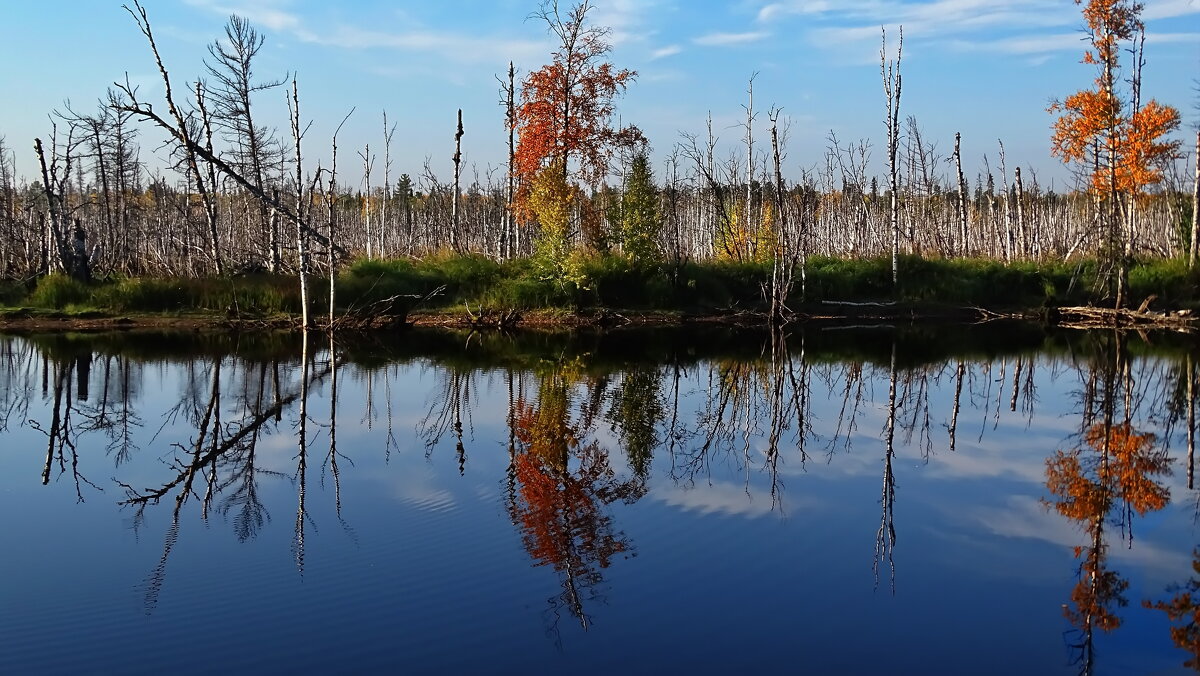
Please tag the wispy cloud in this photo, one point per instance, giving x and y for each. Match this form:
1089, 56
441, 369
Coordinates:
1164, 38
456, 47
1022, 44
664, 52
1169, 9
942, 16
1019, 27
629, 20
950, 17
271, 14
728, 39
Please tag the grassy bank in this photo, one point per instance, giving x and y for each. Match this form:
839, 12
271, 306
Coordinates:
611, 282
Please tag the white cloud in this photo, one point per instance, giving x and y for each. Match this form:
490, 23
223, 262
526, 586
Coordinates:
1164, 38
627, 19
457, 47
1169, 9
722, 498
454, 46
664, 52
1022, 44
1025, 517
728, 39
266, 13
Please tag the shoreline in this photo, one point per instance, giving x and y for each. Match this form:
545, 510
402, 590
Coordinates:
27, 320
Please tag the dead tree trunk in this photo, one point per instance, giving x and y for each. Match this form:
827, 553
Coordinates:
367, 163
1019, 198
1195, 243
783, 260
208, 197
964, 245
331, 216
55, 233
387, 182
891, 88
746, 224
301, 235
454, 206
508, 244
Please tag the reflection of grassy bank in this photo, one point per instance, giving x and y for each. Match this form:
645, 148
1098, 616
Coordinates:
619, 349
610, 282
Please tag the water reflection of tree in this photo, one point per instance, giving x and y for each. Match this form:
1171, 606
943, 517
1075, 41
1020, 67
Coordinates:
747, 403
1111, 476
1184, 609
636, 412
218, 467
449, 408
61, 433
562, 482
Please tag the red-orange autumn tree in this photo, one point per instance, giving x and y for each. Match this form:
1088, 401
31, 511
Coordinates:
1120, 144
565, 122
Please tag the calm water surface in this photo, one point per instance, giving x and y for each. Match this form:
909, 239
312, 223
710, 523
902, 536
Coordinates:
944, 500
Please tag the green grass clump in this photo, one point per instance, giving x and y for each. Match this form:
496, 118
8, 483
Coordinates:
258, 295
611, 281
1168, 278
57, 292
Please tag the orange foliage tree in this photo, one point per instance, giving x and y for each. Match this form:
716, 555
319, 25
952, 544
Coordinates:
565, 113
1121, 145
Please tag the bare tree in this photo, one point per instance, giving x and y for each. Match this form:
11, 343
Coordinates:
890, 71
256, 150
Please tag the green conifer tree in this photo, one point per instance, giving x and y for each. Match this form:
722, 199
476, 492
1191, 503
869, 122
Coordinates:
640, 223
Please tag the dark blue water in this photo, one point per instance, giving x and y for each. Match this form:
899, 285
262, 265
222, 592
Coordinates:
831, 501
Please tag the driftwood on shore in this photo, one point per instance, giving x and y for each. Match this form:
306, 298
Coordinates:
1106, 317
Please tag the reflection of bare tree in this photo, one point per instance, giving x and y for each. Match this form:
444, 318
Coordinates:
853, 394
16, 380
301, 459
334, 454
729, 423
240, 484
788, 404
61, 435
885, 537
219, 466
450, 407
958, 384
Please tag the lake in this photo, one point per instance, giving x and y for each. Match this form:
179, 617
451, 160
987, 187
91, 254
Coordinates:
937, 499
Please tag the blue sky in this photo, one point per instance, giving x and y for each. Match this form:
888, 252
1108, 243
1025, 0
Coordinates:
986, 68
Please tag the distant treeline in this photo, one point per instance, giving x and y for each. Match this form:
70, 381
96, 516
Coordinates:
137, 223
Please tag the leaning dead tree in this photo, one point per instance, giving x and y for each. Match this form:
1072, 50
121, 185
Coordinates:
181, 128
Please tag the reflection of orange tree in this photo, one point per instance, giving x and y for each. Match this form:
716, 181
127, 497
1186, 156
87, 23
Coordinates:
1117, 468
563, 485
1185, 605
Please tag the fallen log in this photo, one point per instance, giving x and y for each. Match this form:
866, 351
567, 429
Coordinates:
1106, 317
